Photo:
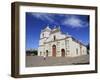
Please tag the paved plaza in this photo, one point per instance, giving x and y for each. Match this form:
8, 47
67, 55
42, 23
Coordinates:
36, 61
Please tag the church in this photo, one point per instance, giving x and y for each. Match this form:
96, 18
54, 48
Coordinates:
55, 43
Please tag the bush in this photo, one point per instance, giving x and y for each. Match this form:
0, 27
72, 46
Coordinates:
34, 52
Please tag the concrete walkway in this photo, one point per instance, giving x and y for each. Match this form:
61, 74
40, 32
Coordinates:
36, 61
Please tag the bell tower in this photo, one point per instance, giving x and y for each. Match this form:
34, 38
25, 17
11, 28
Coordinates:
44, 35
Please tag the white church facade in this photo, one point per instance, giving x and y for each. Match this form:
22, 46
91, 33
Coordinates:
57, 44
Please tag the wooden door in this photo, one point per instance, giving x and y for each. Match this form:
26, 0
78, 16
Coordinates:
54, 50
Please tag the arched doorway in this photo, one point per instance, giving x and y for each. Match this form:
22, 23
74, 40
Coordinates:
62, 52
46, 52
54, 50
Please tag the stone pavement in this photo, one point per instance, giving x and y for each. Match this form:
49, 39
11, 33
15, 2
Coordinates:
36, 61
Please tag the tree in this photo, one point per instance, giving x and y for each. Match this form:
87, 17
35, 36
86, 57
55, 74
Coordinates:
31, 52
88, 48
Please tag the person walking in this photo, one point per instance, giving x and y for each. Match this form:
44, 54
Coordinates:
44, 57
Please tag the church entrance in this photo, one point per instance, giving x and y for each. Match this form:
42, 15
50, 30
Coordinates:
46, 52
62, 52
54, 50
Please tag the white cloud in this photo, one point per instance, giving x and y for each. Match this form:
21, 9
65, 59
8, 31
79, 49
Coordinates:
71, 20
74, 22
44, 17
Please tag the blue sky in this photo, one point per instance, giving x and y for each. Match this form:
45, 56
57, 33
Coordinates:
73, 24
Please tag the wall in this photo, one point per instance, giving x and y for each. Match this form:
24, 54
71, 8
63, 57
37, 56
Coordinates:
75, 45
5, 40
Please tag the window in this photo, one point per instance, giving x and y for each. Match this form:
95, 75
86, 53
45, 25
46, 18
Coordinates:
43, 34
76, 51
54, 38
